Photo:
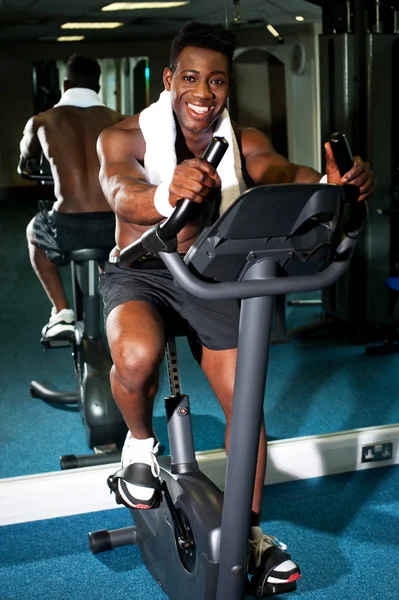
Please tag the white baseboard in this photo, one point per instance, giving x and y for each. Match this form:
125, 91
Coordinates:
78, 491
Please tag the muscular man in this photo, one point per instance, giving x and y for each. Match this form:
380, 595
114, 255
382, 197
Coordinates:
139, 300
80, 216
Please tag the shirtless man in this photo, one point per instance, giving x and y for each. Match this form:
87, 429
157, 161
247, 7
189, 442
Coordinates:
138, 301
80, 216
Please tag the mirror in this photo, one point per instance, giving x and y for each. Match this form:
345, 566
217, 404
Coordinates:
320, 385
124, 86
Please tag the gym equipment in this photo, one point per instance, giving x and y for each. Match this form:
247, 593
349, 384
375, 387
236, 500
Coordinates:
104, 425
358, 96
33, 171
273, 240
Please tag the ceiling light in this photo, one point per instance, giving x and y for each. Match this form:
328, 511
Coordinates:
268, 26
273, 31
70, 38
103, 25
299, 18
141, 5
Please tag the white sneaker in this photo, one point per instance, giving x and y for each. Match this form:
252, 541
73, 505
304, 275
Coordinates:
262, 545
59, 323
141, 453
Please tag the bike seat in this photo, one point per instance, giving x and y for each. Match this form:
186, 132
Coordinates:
88, 254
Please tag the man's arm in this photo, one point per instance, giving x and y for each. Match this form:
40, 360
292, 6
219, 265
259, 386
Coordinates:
123, 179
125, 185
266, 166
30, 147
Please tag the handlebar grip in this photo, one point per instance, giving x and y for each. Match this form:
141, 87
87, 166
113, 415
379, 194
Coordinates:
215, 150
342, 152
343, 156
186, 210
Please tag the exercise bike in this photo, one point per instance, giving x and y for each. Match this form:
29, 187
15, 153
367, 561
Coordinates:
275, 239
104, 425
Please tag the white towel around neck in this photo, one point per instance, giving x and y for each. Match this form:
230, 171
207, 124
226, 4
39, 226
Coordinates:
158, 127
79, 97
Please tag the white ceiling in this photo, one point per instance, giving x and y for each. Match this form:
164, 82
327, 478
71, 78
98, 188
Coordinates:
39, 20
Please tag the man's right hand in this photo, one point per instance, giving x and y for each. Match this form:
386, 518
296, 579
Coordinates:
193, 179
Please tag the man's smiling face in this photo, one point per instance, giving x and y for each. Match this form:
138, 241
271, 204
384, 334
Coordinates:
200, 86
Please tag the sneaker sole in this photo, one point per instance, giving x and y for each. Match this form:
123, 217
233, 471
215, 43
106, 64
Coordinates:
58, 329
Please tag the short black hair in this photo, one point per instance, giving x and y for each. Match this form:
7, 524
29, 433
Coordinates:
83, 71
203, 35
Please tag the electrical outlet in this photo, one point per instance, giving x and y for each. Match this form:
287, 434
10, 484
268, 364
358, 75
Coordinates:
377, 451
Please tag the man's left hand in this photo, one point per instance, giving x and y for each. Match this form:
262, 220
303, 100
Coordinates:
360, 174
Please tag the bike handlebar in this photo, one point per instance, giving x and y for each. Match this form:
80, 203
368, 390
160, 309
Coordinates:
161, 240
24, 169
256, 288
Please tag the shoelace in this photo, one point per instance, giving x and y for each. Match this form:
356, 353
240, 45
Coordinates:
262, 544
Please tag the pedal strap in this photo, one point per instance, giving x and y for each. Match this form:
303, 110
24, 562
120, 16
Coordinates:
259, 585
138, 474
274, 557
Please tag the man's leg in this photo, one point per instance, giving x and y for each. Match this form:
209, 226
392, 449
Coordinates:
62, 319
48, 274
136, 340
219, 367
267, 554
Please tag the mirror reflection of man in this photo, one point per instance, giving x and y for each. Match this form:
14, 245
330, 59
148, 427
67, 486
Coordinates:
66, 135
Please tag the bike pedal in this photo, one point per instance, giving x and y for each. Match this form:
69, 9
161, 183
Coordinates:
60, 342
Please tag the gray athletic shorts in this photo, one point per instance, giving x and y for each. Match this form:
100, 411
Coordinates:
214, 323
57, 233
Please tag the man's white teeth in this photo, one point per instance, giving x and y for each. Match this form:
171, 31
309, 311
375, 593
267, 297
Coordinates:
199, 109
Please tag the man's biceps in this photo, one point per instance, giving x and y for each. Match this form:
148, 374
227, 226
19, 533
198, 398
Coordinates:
258, 163
124, 171
115, 157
